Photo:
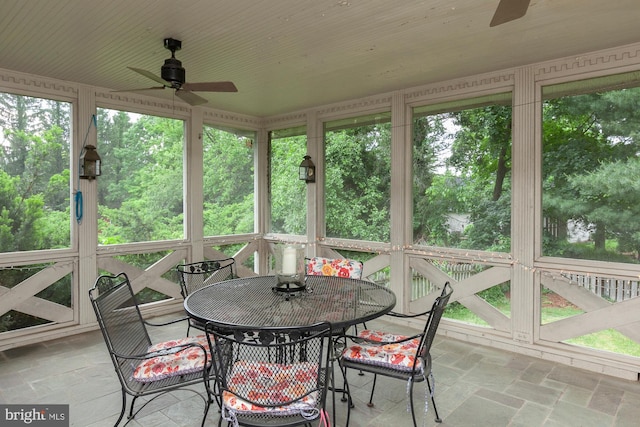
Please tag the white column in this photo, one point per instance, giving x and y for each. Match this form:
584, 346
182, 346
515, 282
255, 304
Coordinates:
262, 207
525, 198
85, 233
315, 191
193, 185
401, 205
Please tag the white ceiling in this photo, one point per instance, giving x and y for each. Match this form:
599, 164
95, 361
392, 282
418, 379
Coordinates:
287, 55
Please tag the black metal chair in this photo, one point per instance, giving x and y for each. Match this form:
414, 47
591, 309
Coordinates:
196, 275
398, 356
278, 379
142, 368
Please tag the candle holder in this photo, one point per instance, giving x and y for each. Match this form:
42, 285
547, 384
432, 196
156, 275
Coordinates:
290, 268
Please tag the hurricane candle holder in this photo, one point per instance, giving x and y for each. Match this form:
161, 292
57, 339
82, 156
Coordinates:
290, 268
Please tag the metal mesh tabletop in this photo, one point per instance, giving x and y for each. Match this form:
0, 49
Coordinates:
251, 302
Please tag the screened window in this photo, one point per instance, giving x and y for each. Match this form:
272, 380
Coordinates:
358, 177
462, 174
228, 181
140, 191
287, 192
35, 189
591, 169
35, 135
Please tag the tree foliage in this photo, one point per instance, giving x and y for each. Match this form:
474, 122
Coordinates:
358, 182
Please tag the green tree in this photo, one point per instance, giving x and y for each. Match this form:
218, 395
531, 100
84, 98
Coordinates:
146, 201
610, 195
288, 193
358, 176
228, 182
581, 135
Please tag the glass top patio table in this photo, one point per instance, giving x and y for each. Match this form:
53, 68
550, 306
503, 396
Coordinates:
251, 302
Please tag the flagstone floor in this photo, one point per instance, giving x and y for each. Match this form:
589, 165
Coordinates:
474, 386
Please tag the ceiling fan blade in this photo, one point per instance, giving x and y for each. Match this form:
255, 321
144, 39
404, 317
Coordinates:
140, 89
211, 87
190, 97
150, 75
509, 10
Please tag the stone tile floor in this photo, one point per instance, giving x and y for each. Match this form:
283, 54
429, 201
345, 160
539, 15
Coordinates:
475, 386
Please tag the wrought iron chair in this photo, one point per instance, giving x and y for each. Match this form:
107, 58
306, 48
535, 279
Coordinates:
399, 356
144, 369
279, 379
340, 267
196, 275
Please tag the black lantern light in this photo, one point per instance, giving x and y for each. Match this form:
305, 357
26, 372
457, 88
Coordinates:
307, 170
90, 165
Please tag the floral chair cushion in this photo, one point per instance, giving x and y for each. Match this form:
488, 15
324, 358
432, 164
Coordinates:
400, 356
182, 362
341, 267
271, 383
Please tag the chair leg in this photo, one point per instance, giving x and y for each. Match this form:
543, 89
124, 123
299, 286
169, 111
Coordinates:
133, 401
373, 389
349, 400
124, 408
433, 401
346, 394
208, 402
355, 328
333, 388
413, 409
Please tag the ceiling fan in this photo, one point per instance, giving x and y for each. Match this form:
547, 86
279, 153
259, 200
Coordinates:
173, 76
509, 10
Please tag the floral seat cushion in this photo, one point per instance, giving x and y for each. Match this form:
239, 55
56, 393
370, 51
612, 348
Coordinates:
400, 356
341, 267
271, 384
182, 362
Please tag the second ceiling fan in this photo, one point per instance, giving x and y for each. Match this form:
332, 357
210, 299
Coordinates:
173, 76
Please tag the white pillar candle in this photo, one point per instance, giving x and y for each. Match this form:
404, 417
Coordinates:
289, 260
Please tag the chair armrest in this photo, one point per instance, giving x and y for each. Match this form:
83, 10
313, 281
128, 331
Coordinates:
164, 352
359, 340
405, 316
170, 322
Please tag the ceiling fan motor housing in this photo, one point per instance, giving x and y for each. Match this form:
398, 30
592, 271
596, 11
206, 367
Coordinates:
173, 72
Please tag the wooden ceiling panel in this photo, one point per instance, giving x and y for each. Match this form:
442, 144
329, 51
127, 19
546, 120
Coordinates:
286, 55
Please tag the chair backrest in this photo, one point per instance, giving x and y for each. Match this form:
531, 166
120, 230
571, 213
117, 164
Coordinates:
434, 319
341, 267
274, 371
196, 275
119, 316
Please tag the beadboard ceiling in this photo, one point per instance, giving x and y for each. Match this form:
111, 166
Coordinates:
288, 55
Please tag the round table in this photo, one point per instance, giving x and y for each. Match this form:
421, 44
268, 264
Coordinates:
251, 303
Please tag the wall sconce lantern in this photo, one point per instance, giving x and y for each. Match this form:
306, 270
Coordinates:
307, 170
90, 165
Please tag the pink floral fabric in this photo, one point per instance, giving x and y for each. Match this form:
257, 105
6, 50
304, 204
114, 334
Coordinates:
182, 362
341, 267
399, 356
272, 384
